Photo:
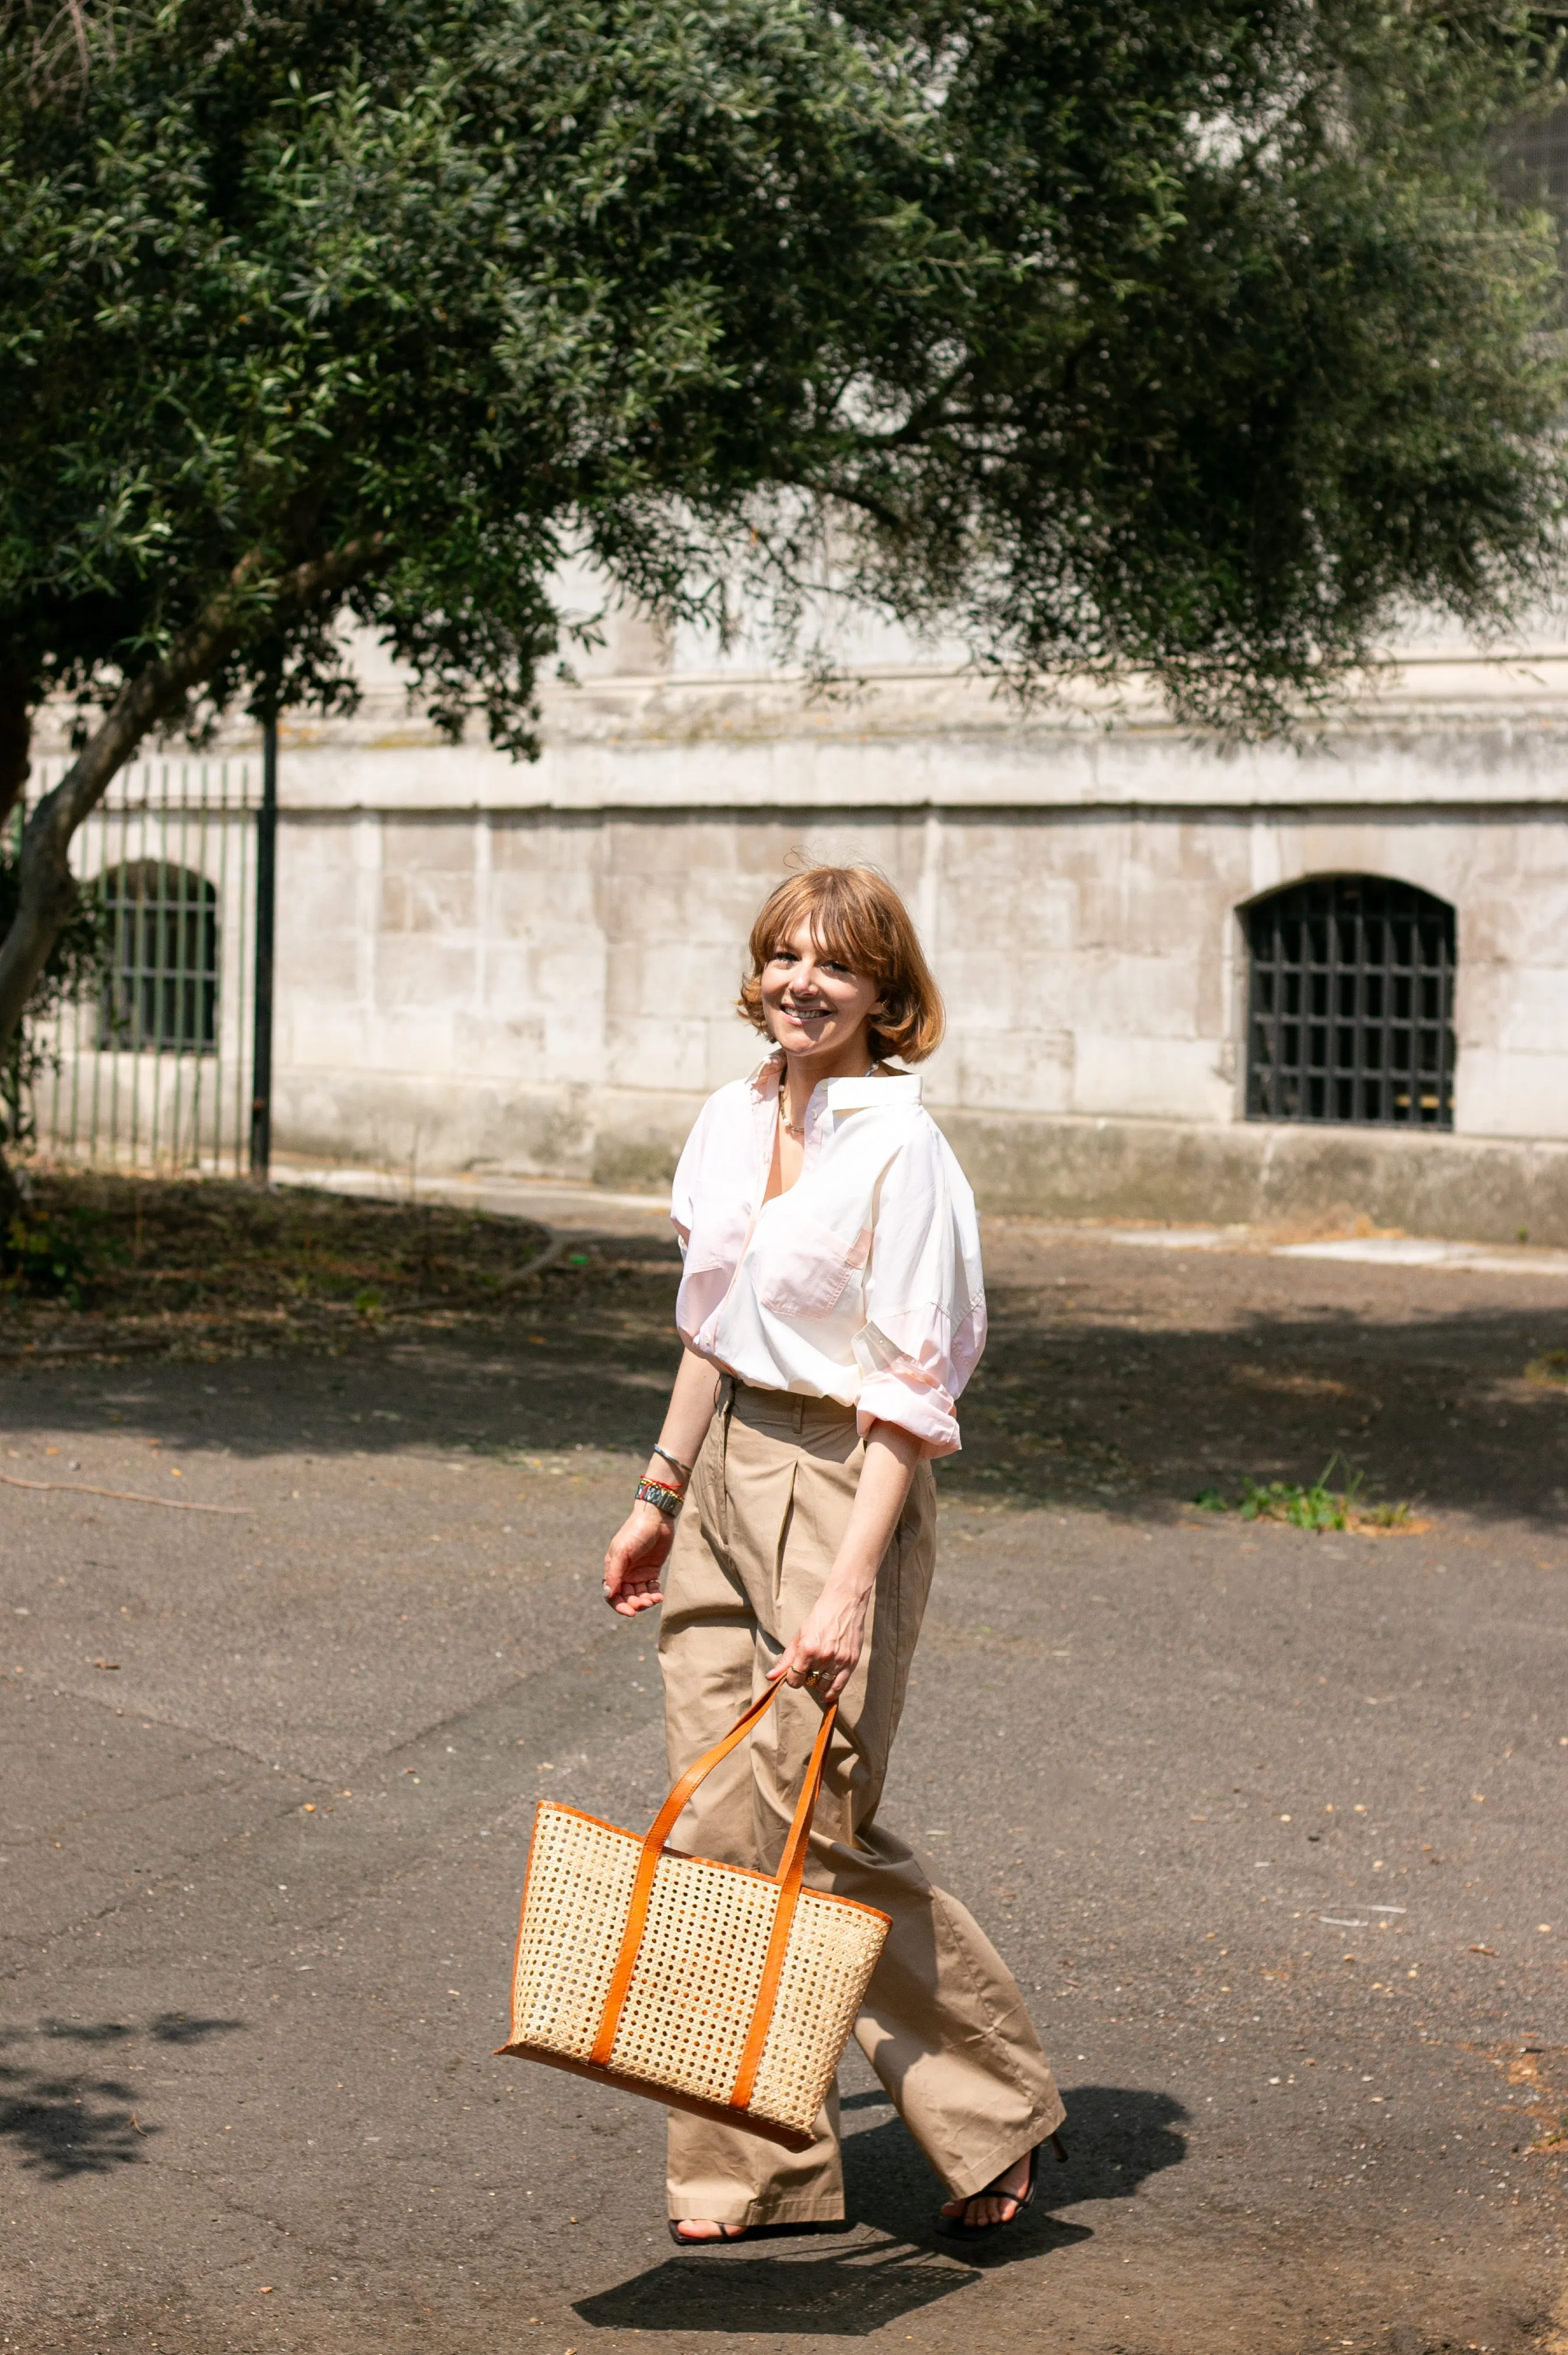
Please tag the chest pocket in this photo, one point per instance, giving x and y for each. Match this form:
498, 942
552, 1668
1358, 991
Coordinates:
803, 1269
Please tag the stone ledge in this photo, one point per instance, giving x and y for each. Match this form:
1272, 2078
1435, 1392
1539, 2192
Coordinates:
1441, 729
1461, 1189
1457, 1188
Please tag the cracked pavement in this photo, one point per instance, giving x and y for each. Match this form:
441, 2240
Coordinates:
1269, 1823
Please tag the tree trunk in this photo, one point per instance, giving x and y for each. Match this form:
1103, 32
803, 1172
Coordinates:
48, 887
47, 890
17, 700
46, 893
10, 1196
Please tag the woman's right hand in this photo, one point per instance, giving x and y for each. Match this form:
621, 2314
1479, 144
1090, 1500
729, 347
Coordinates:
638, 1552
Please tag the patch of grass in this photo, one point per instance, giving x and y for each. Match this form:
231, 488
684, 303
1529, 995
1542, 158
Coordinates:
1387, 1517
1315, 1506
1550, 1367
1311, 1506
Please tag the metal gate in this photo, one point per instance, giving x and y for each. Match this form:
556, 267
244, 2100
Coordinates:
1351, 1012
152, 1070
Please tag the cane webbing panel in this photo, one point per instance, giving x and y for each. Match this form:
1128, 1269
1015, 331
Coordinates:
574, 1908
832, 1952
693, 1993
699, 1969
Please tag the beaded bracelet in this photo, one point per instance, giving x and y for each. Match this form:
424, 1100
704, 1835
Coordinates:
667, 1501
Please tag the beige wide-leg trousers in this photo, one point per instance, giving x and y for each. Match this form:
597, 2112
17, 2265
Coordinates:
944, 2024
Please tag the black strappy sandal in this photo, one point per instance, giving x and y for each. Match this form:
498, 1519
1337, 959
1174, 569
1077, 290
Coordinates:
954, 2228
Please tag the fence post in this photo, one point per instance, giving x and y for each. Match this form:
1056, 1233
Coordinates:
266, 903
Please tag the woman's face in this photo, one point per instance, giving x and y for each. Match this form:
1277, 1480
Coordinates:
814, 1004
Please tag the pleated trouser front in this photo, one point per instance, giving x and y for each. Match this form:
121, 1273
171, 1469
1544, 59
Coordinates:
944, 2024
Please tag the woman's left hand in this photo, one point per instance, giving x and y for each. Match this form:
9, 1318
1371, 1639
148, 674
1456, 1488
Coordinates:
825, 1653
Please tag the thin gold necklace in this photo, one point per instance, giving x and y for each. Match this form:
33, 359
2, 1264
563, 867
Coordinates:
870, 1072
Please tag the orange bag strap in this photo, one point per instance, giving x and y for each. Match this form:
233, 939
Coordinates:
791, 1872
664, 1823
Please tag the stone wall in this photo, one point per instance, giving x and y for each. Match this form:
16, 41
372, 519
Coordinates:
487, 965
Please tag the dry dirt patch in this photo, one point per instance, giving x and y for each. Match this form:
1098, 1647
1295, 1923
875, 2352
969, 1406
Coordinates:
124, 1265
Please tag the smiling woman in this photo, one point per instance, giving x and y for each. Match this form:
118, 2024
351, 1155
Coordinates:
864, 940
832, 1284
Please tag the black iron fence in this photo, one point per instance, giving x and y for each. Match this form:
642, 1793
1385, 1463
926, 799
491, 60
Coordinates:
151, 1069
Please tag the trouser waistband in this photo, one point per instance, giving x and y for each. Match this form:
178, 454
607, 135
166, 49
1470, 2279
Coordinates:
779, 1409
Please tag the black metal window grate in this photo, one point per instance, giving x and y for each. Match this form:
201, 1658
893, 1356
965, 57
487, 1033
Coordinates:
1351, 1005
162, 983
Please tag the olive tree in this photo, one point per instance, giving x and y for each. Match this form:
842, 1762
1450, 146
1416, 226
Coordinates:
1192, 337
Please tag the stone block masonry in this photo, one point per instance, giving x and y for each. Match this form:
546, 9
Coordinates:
490, 966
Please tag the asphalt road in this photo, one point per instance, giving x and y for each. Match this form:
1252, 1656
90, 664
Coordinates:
1270, 1823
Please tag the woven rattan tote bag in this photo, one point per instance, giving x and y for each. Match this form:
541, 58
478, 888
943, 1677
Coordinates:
724, 1992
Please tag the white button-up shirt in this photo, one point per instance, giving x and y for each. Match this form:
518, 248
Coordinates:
862, 1282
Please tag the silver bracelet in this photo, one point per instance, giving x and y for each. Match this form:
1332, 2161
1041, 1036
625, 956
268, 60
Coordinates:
684, 1470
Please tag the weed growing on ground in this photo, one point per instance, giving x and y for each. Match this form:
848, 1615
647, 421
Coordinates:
57, 1255
1315, 1505
1551, 1367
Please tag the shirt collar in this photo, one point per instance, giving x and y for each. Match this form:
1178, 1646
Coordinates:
871, 1092
874, 1095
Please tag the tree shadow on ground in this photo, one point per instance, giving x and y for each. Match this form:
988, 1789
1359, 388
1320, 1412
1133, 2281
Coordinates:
1117, 2137
1126, 1386
68, 2121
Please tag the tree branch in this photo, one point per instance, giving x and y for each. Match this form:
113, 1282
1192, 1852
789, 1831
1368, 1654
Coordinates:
162, 687
16, 700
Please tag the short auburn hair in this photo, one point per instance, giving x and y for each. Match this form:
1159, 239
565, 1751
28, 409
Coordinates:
855, 914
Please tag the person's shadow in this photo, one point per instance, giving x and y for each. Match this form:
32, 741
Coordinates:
1116, 2136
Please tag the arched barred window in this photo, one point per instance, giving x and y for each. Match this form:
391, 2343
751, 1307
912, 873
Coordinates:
162, 989
1350, 1004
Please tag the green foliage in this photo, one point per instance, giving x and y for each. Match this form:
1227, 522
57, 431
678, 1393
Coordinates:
1313, 1507
54, 1255
1192, 336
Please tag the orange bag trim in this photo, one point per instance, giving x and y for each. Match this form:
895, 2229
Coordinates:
663, 1824
789, 1881
686, 1856
693, 2104
792, 1870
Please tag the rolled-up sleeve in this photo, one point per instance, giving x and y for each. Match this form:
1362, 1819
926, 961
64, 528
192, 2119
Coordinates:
925, 1302
687, 1178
